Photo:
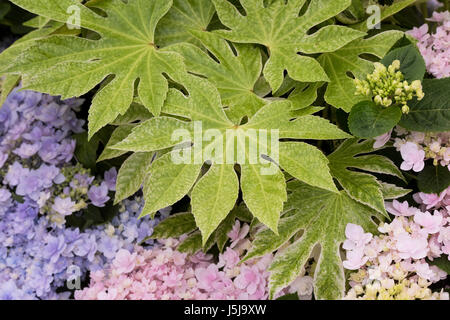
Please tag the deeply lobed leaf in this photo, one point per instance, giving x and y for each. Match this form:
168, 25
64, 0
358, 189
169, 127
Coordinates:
263, 193
314, 217
126, 52
284, 33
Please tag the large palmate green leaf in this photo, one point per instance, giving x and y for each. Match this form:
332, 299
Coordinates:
360, 186
11, 80
279, 27
432, 113
126, 51
234, 75
183, 17
213, 198
314, 218
224, 144
348, 62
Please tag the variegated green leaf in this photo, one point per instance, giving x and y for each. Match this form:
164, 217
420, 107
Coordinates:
234, 75
213, 197
385, 12
391, 191
306, 163
221, 233
183, 17
10, 81
136, 112
192, 244
362, 187
174, 226
167, 182
71, 66
263, 194
278, 26
153, 134
249, 145
7, 84
132, 174
118, 135
314, 218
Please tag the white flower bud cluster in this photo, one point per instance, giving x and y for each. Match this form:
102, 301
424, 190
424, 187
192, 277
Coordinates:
387, 86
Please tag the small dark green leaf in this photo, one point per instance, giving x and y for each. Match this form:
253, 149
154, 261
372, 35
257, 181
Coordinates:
243, 213
221, 233
391, 191
403, 42
412, 64
4, 9
368, 120
291, 296
86, 151
192, 244
442, 263
434, 179
175, 226
432, 113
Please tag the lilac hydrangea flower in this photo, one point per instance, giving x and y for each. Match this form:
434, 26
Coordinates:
99, 195
38, 247
64, 206
110, 179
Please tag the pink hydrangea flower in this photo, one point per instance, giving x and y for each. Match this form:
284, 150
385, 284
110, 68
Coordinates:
229, 258
382, 140
400, 208
440, 16
423, 270
412, 246
209, 278
430, 223
399, 253
124, 261
413, 157
237, 233
430, 200
419, 33
356, 237
111, 294
163, 273
355, 259
434, 47
444, 235
248, 280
